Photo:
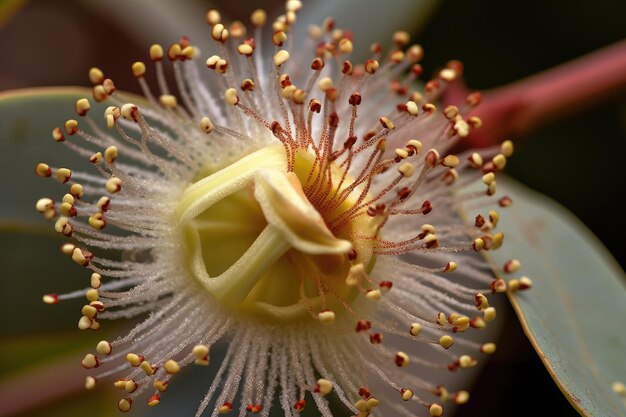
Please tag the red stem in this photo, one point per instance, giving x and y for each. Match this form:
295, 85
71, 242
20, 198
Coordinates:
517, 108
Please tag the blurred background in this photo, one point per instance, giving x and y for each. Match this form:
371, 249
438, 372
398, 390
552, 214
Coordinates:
575, 160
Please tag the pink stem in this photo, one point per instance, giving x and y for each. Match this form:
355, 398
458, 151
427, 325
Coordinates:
518, 108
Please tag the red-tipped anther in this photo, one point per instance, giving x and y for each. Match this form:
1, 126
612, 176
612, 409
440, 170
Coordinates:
363, 325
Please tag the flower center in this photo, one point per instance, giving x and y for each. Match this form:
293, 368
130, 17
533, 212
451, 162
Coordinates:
265, 241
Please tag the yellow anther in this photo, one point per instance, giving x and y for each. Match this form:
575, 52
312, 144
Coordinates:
156, 52
213, 17
113, 185
258, 17
406, 169
499, 161
90, 383
450, 161
373, 295
324, 386
104, 348
488, 348
138, 69
412, 108
407, 394
92, 295
146, 367
82, 106
415, 329
96, 76
231, 97
90, 361
134, 359
110, 154
84, 323
446, 341
386, 123
489, 178
171, 367
168, 101
507, 148
326, 317
124, 404
401, 359
281, 57
489, 313
201, 352
435, 410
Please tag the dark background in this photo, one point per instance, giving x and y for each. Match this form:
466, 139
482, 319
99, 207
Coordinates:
573, 160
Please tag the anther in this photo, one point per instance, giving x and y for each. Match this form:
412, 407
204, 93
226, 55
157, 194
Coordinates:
97, 222
299, 406
125, 404
326, 317
446, 341
219, 33
71, 127
90, 383
363, 326
481, 301
63, 226
154, 400
386, 123
96, 76
50, 299
168, 101
488, 348
450, 161
435, 410
507, 148
113, 185
415, 329
279, 37
511, 266
82, 106
323, 387
450, 267
231, 97
258, 17
90, 361
213, 17
156, 53
498, 286
373, 295
376, 338
104, 348
478, 244
201, 352
401, 359
160, 386
129, 112
225, 408
171, 367
525, 283
109, 86
134, 359
499, 161
461, 397
345, 46
281, 57
406, 169
371, 66
505, 201
138, 69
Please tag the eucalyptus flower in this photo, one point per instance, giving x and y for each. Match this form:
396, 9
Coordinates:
304, 209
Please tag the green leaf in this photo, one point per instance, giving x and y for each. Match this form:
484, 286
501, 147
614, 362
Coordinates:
574, 313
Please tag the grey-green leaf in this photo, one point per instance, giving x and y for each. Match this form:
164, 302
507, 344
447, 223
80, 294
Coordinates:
575, 311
